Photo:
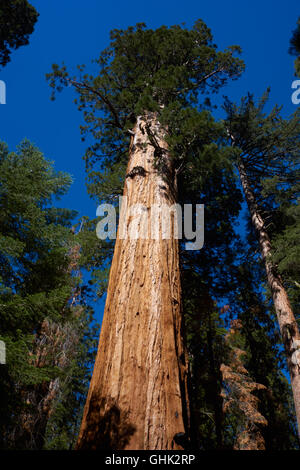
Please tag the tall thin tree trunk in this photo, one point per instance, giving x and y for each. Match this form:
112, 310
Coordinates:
286, 319
138, 392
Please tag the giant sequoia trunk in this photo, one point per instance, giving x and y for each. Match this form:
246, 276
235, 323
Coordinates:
286, 319
138, 392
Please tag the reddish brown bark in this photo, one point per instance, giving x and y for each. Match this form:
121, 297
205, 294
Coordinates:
138, 392
286, 319
238, 396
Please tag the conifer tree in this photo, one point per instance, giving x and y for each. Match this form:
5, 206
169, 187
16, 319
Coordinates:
207, 278
265, 359
44, 314
267, 147
17, 21
295, 47
142, 110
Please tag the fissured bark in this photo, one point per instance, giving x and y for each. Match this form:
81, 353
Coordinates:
138, 392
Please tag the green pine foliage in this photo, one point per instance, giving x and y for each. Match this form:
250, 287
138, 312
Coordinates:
163, 70
17, 21
295, 47
269, 147
41, 327
284, 217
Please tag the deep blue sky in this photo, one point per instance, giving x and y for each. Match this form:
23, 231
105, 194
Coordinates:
75, 32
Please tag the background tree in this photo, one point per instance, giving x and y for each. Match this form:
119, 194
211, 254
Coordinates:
295, 47
267, 146
17, 20
207, 278
264, 359
226, 271
44, 307
238, 394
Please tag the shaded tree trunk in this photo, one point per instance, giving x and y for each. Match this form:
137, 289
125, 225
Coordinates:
286, 319
216, 385
138, 393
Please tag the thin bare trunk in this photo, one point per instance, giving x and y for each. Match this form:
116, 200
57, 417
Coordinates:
138, 392
286, 319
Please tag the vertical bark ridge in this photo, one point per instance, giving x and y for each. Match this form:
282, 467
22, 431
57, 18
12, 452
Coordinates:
137, 397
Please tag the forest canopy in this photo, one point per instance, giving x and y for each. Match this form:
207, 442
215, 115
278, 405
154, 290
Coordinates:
198, 349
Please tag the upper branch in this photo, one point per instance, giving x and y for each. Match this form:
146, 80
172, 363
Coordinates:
103, 98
